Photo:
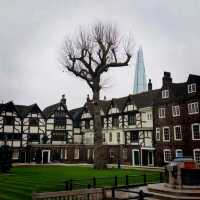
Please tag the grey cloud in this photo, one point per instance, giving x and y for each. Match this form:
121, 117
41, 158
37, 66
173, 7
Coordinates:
32, 32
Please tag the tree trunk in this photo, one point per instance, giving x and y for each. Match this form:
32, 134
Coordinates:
100, 158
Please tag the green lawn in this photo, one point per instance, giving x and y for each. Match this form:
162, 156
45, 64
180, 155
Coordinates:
22, 181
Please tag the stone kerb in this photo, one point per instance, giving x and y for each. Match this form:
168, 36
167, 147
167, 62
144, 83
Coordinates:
92, 194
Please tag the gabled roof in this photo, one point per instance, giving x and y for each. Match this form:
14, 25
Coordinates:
21, 110
25, 110
10, 105
192, 78
51, 109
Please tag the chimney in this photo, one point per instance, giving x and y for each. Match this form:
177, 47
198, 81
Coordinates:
63, 99
104, 98
149, 85
167, 78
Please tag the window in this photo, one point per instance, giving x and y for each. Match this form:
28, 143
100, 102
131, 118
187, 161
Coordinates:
177, 133
87, 124
111, 154
33, 137
110, 137
59, 135
115, 121
179, 153
15, 155
34, 121
191, 88
196, 153
134, 136
157, 134
196, 131
175, 111
9, 120
165, 94
125, 154
76, 154
60, 119
161, 112
193, 108
166, 134
149, 116
104, 137
118, 138
167, 155
131, 119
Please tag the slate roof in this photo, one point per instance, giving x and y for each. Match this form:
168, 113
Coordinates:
192, 78
76, 116
144, 99
52, 108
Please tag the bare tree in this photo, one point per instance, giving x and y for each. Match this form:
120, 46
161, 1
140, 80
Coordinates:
93, 52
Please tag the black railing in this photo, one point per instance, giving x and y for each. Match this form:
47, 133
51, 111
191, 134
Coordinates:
115, 181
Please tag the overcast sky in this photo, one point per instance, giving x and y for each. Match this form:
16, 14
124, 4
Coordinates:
32, 33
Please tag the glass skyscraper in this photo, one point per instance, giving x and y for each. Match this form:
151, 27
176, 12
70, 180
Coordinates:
140, 83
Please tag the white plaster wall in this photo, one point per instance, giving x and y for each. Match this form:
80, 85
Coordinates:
88, 138
8, 129
33, 129
114, 137
77, 139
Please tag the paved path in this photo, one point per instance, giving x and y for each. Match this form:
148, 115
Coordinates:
91, 165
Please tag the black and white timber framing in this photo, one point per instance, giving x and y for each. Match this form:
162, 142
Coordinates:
136, 128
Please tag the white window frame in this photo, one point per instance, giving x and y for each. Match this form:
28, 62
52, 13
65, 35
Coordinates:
176, 111
192, 88
76, 154
167, 150
165, 94
194, 150
166, 127
193, 108
175, 138
161, 113
158, 133
179, 150
193, 130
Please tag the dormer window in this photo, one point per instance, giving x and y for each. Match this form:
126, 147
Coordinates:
191, 88
165, 94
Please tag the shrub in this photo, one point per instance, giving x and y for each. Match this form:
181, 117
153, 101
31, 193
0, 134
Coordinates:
5, 158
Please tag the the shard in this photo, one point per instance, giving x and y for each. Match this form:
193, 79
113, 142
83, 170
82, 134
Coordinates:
140, 83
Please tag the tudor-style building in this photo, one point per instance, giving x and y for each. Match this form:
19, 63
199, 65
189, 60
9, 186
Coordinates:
161, 124
21, 126
177, 119
127, 128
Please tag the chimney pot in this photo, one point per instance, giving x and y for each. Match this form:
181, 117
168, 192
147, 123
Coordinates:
63, 99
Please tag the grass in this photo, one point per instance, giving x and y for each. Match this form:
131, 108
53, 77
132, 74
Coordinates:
22, 181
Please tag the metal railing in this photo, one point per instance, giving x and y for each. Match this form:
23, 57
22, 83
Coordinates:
115, 181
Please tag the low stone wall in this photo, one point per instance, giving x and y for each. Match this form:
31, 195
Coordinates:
84, 194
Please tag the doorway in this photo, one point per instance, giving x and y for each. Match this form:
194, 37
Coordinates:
23, 157
45, 156
135, 157
150, 158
